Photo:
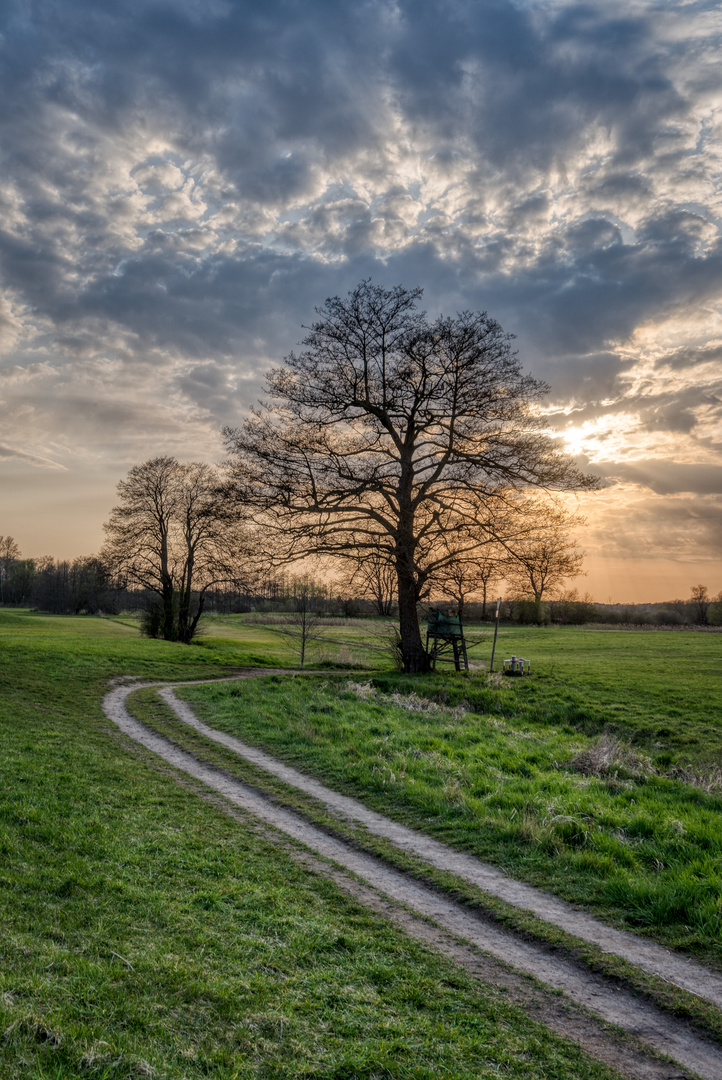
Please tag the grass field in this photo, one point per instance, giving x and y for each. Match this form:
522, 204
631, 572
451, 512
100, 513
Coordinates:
598, 779
146, 934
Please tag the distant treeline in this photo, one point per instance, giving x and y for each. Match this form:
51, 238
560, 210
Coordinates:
572, 611
85, 586
60, 588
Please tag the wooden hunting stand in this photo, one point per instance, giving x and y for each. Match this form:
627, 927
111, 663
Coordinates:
446, 635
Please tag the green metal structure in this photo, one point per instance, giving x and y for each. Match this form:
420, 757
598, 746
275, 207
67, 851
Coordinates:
445, 641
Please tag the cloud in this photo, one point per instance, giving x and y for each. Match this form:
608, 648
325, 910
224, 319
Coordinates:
33, 459
180, 185
665, 477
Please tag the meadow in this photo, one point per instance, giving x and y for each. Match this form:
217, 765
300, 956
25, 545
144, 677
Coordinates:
598, 778
145, 933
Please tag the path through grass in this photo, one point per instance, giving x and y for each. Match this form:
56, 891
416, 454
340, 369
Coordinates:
519, 776
145, 934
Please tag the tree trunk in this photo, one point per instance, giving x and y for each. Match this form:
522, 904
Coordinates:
170, 630
185, 598
416, 659
193, 623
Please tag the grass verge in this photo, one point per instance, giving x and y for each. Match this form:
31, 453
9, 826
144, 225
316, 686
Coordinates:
153, 712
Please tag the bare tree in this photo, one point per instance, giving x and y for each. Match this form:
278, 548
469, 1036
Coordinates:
304, 625
699, 602
372, 577
390, 430
171, 535
538, 564
9, 554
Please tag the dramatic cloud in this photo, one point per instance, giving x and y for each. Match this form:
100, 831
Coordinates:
181, 182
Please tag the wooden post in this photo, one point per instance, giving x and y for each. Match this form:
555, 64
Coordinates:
496, 631
463, 646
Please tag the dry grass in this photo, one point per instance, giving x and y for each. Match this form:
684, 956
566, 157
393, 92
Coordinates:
412, 702
707, 779
609, 756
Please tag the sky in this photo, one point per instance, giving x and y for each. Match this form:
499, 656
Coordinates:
181, 182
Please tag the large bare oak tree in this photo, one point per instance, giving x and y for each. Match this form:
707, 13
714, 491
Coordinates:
388, 429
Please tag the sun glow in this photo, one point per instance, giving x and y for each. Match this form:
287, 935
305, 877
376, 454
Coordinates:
601, 437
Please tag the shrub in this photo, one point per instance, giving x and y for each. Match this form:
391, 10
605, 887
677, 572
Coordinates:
714, 612
667, 617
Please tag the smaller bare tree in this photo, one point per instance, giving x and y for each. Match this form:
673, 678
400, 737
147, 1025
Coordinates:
699, 602
171, 535
538, 564
303, 626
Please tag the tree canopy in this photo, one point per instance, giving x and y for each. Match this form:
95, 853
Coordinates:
392, 432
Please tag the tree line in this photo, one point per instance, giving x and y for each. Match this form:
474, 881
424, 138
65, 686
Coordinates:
64, 587
86, 586
407, 457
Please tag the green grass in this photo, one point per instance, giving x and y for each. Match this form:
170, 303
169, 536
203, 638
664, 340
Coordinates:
636, 844
145, 933
341, 643
661, 689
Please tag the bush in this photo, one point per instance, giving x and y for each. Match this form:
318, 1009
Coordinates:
573, 610
151, 620
530, 613
665, 617
714, 613
394, 649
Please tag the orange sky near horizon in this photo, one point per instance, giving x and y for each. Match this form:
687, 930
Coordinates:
53, 518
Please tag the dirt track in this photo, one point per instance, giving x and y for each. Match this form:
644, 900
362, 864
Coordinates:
393, 894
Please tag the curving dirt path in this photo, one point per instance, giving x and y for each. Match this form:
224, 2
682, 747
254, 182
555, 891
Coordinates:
601, 997
647, 955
